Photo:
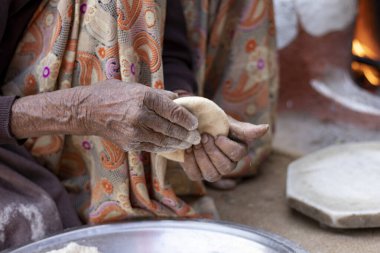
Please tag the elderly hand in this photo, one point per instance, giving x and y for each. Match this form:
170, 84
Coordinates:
214, 158
137, 117
133, 116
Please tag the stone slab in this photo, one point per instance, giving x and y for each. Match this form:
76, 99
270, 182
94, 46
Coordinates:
338, 186
260, 202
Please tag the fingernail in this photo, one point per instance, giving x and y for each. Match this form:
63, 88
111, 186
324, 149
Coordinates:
264, 126
194, 125
194, 138
204, 138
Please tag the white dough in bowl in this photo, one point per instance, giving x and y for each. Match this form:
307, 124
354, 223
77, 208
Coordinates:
211, 119
73, 247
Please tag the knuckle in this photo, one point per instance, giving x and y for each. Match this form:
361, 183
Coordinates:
147, 97
176, 112
213, 152
153, 100
170, 128
162, 140
185, 135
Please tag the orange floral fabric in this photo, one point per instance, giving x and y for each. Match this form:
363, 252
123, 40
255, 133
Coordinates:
70, 43
236, 63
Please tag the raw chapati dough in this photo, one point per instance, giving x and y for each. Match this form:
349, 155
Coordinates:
73, 247
211, 119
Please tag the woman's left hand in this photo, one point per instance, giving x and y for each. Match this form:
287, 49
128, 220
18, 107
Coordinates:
217, 157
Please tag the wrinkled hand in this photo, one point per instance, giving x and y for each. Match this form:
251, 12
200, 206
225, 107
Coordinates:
137, 117
214, 158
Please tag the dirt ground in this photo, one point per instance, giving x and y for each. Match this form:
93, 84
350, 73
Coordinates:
260, 202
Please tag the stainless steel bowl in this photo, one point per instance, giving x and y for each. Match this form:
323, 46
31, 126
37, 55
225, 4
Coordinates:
168, 236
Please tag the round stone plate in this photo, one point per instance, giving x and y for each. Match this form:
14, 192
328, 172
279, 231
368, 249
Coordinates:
338, 186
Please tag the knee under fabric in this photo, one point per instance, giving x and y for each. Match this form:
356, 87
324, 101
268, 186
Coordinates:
211, 120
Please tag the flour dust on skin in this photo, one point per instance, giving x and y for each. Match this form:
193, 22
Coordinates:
30, 212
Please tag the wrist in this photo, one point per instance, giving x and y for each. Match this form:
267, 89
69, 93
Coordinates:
80, 106
47, 113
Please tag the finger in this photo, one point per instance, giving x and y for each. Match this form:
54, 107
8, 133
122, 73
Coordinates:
167, 128
169, 110
233, 150
167, 93
190, 166
149, 147
206, 167
220, 161
246, 132
158, 139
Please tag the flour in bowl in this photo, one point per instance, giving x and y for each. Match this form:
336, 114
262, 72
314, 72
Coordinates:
73, 247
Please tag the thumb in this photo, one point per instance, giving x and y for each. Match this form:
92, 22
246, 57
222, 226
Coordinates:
246, 132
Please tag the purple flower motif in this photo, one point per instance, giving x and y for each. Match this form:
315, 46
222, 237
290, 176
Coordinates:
46, 72
86, 145
83, 8
133, 69
112, 68
168, 202
260, 64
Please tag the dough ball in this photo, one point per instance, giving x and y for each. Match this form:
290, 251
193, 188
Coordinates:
211, 119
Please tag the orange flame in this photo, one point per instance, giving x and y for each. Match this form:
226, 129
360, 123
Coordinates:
371, 74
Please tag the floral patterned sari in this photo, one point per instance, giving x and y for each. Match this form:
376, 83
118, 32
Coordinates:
70, 43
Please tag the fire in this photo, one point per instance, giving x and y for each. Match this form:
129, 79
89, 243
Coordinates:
371, 74
358, 48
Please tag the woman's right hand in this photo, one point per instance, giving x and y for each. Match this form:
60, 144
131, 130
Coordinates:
137, 117
134, 116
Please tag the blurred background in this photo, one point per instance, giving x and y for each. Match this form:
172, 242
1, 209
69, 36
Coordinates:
329, 53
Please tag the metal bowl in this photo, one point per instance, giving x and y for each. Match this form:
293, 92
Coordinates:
168, 236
